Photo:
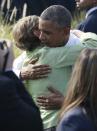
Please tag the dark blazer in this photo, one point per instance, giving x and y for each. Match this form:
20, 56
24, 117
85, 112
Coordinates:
75, 120
90, 23
17, 109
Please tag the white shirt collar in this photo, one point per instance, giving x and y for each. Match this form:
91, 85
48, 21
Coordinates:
73, 40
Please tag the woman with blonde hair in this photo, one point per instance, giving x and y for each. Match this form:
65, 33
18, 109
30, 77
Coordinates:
25, 33
79, 111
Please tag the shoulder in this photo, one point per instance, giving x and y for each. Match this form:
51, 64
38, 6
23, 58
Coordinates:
73, 40
9, 79
7, 85
89, 21
89, 39
73, 114
75, 120
5, 76
89, 24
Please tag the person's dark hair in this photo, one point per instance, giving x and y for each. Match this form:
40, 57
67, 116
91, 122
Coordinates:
58, 14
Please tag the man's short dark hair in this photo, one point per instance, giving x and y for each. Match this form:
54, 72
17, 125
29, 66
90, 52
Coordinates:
58, 14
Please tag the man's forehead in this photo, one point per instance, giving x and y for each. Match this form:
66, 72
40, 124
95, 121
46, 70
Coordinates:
47, 24
44, 21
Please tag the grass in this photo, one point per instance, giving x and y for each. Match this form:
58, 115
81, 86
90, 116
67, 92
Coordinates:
77, 18
6, 33
5, 30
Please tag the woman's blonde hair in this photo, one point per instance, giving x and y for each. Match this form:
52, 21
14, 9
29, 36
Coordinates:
82, 86
23, 32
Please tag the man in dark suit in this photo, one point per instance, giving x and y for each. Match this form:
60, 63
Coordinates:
17, 109
89, 24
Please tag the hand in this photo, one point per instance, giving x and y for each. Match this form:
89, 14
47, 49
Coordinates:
52, 101
34, 72
78, 33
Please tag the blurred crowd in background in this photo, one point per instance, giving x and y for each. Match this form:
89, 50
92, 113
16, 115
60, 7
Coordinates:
12, 10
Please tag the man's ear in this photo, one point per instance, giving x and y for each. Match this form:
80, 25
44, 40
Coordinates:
66, 31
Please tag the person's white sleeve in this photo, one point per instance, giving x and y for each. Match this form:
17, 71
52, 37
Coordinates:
18, 62
73, 40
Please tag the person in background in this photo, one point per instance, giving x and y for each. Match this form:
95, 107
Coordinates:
7, 48
13, 10
17, 109
79, 110
89, 23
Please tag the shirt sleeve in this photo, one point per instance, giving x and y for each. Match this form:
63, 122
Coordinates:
18, 62
89, 40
